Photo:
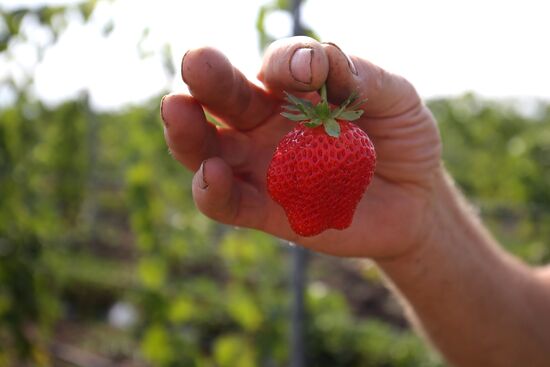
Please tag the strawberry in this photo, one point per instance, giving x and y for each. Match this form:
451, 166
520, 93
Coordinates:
321, 168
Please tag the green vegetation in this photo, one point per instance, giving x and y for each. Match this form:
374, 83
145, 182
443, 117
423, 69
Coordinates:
95, 213
83, 227
500, 157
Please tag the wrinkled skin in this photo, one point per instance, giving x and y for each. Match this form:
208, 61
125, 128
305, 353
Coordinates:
395, 213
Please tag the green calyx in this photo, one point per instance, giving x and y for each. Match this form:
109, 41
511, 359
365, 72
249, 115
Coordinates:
302, 110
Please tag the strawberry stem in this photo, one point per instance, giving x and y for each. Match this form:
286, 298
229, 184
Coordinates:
323, 93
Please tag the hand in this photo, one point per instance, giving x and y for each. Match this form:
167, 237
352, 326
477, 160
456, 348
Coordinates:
231, 161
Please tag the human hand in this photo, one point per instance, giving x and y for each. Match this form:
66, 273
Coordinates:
231, 161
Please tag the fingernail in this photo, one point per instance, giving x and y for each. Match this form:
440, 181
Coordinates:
351, 65
162, 110
300, 65
181, 67
202, 170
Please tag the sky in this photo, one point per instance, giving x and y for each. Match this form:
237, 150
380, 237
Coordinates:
497, 49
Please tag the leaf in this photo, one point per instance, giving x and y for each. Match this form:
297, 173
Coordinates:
13, 20
302, 105
290, 107
182, 309
356, 104
313, 123
260, 20
332, 128
210, 118
108, 28
350, 100
292, 99
167, 60
307, 103
234, 350
351, 115
311, 34
323, 110
87, 8
264, 38
336, 113
156, 345
345, 106
283, 5
4, 41
294, 117
243, 307
152, 272
298, 101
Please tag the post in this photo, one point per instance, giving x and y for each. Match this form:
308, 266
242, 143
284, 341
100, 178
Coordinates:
299, 261
297, 29
298, 284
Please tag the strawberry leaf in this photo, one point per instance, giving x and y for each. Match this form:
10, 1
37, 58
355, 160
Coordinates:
302, 110
307, 103
289, 107
350, 115
355, 105
350, 100
347, 112
337, 112
298, 101
313, 123
294, 117
303, 105
332, 127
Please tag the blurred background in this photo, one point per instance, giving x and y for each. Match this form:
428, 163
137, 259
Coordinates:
104, 260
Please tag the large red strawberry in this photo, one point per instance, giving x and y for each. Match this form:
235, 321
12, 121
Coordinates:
321, 168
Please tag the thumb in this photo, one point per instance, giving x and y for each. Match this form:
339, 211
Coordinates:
297, 64
301, 64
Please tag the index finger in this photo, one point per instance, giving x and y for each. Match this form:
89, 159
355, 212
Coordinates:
224, 90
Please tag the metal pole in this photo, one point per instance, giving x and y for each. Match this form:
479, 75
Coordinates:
299, 261
297, 29
297, 344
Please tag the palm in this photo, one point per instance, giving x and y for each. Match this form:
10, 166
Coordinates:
383, 218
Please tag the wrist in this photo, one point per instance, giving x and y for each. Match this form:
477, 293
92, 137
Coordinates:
452, 230
454, 248
466, 292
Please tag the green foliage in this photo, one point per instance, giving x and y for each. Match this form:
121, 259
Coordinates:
93, 211
336, 338
52, 18
41, 188
208, 295
234, 350
265, 11
500, 158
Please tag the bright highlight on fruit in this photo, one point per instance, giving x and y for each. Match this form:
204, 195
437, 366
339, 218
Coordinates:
321, 168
